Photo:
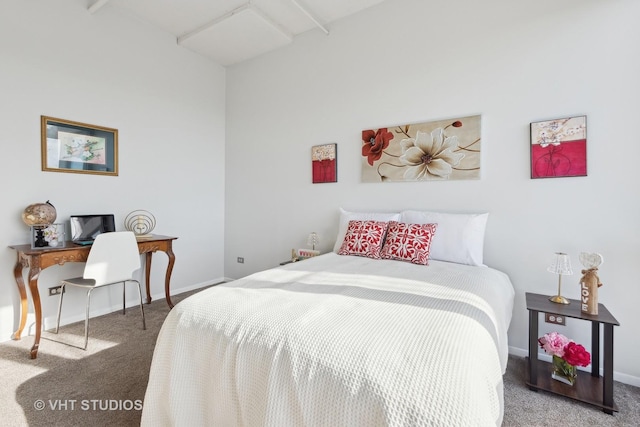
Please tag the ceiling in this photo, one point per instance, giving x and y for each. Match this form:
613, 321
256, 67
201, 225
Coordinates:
231, 31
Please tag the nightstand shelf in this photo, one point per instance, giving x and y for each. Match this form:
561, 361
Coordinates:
590, 387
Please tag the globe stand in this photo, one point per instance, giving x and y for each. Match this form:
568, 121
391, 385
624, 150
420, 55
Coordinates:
38, 240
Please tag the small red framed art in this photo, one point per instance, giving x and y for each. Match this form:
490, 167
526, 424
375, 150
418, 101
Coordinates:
324, 163
559, 147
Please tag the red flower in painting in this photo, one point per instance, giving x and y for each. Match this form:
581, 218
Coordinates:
374, 143
576, 355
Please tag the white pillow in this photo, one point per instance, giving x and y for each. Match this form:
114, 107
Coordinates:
346, 216
459, 238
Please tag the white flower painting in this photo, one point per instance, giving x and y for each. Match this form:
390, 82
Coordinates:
432, 151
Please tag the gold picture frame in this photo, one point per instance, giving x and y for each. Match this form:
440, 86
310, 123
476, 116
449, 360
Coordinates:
69, 146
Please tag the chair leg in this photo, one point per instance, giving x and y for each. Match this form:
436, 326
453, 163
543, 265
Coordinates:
59, 307
124, 287
144, 323
86, 320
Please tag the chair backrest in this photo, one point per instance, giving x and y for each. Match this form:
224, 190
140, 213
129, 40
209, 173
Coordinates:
113, 258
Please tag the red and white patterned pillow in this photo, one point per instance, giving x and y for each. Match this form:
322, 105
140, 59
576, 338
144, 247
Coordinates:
364, 238
408, 242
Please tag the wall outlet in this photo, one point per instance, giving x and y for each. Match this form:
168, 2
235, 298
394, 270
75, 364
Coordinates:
240, 260
556, 319
54, 290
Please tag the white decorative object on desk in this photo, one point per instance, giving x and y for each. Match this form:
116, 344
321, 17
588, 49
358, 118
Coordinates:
141, 222
590, 282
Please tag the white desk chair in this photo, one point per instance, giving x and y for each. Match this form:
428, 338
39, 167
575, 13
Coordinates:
113, 258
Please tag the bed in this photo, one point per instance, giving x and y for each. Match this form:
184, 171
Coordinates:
337, 340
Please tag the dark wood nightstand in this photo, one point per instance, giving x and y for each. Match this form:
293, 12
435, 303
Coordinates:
589, 388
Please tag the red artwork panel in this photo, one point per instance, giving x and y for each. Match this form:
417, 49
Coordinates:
324, 163
559, 148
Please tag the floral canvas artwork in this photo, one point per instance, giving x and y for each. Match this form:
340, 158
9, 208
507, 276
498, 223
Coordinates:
82, 148
431, 151
324, 163
559, 148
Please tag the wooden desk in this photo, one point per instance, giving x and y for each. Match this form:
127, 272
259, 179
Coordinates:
39, 259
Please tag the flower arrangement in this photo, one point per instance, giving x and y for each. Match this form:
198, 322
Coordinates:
52, 235
566, 356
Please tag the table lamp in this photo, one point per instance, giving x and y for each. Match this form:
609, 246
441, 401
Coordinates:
313, 240
561, 266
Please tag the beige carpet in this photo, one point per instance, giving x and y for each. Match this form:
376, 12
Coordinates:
105, 385
67, 386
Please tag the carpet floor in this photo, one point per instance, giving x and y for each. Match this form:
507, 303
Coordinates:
105, 385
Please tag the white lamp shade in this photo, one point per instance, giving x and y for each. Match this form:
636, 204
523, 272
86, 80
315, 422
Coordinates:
313, 239
561, 264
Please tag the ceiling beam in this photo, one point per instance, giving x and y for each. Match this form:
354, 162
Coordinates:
210, 24
311, 16
246, 6
96, 6
271, 22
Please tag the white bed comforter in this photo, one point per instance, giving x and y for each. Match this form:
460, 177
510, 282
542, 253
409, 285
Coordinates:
336, 341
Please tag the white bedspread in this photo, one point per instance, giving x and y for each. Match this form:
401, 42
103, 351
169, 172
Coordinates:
336, 341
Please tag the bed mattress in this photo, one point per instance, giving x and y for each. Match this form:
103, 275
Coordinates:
336, 341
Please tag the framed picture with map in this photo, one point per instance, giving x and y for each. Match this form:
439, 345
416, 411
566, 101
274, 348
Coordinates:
75, 147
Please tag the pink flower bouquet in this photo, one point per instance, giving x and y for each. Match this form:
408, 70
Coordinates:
560, 346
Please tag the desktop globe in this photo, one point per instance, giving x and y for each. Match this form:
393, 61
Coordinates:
39, 214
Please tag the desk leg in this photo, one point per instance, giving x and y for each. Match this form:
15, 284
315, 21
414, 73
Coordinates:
17, 272
167, 278
34, 272
147, 273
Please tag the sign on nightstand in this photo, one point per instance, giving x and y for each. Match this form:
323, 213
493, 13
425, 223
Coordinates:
307, 253
590, 282
302, 254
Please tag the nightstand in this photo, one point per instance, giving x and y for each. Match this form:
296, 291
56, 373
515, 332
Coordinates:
589, 388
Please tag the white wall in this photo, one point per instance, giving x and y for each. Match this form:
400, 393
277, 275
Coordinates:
168, 106
408, 61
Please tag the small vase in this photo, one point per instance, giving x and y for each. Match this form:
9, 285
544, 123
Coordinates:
563, 372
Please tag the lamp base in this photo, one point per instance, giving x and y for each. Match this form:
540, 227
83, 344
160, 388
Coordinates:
559, 299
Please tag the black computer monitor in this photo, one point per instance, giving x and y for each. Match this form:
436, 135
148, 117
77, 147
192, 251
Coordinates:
85, 228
